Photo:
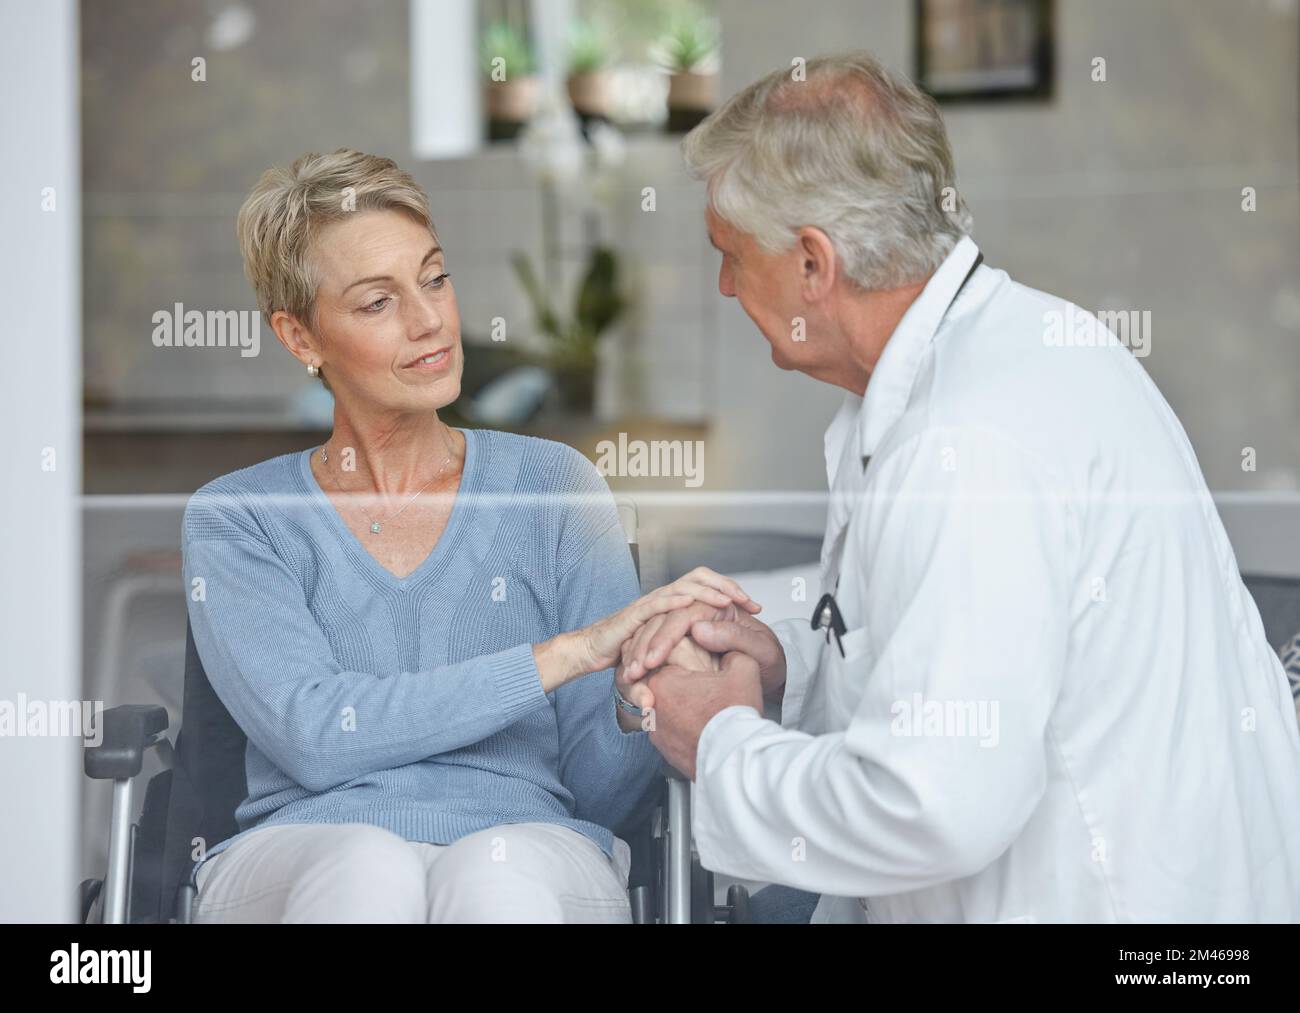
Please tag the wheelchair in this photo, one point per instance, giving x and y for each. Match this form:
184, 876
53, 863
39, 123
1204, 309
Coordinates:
195, 796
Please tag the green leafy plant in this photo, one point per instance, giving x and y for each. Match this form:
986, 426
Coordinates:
692, 38
596, 307
503, 40
589, 48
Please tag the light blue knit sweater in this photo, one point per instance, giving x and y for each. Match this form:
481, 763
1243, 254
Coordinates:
415, 704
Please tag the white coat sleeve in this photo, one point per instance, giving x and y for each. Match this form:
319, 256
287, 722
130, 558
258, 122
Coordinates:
966, 601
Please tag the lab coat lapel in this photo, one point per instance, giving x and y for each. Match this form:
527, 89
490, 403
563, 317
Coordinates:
862, 422
842, 476
853, 436
891, 383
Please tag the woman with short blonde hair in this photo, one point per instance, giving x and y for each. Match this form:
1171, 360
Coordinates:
415, 626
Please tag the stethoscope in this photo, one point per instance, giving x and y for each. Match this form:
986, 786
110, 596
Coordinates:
826, 615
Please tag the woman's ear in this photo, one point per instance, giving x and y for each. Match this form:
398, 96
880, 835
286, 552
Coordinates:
295, 337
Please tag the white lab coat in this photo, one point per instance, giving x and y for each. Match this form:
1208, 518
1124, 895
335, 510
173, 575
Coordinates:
1056, 700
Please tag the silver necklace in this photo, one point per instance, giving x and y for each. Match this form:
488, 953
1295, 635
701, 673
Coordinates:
375, 527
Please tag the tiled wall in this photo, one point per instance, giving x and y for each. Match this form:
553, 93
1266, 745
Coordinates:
1122, 194
658, 360
167, 162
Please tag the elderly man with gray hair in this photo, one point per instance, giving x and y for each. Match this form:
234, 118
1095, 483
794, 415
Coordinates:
1036, 687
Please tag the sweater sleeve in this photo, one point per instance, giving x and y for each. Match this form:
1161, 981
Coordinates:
270, 663
608, 771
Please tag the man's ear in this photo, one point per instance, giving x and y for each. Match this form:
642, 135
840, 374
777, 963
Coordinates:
295, 337
818, 262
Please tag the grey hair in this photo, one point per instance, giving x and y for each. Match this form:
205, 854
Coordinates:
854, 149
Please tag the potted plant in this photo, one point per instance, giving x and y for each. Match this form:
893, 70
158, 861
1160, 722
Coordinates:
510, 80
588, 74
571, 356
689, 53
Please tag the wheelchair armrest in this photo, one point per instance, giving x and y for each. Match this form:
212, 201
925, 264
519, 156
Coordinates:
128, 731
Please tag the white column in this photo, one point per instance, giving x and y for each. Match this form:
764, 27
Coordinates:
446, 100
550, 23
40, 418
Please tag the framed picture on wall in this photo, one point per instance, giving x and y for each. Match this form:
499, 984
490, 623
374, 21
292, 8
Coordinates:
985, 50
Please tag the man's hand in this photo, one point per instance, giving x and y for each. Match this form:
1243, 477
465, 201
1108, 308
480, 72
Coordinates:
599, 645
717, 630
688, 654
687, 699
685, 654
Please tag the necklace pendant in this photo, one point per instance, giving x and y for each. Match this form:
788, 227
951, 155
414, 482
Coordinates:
374, 527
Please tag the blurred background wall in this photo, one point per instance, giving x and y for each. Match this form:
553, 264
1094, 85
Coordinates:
1124, 195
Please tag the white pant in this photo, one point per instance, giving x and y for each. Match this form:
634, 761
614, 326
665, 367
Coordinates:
355, 872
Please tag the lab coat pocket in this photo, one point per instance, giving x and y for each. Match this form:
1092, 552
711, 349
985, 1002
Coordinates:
854, 642
845, 676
